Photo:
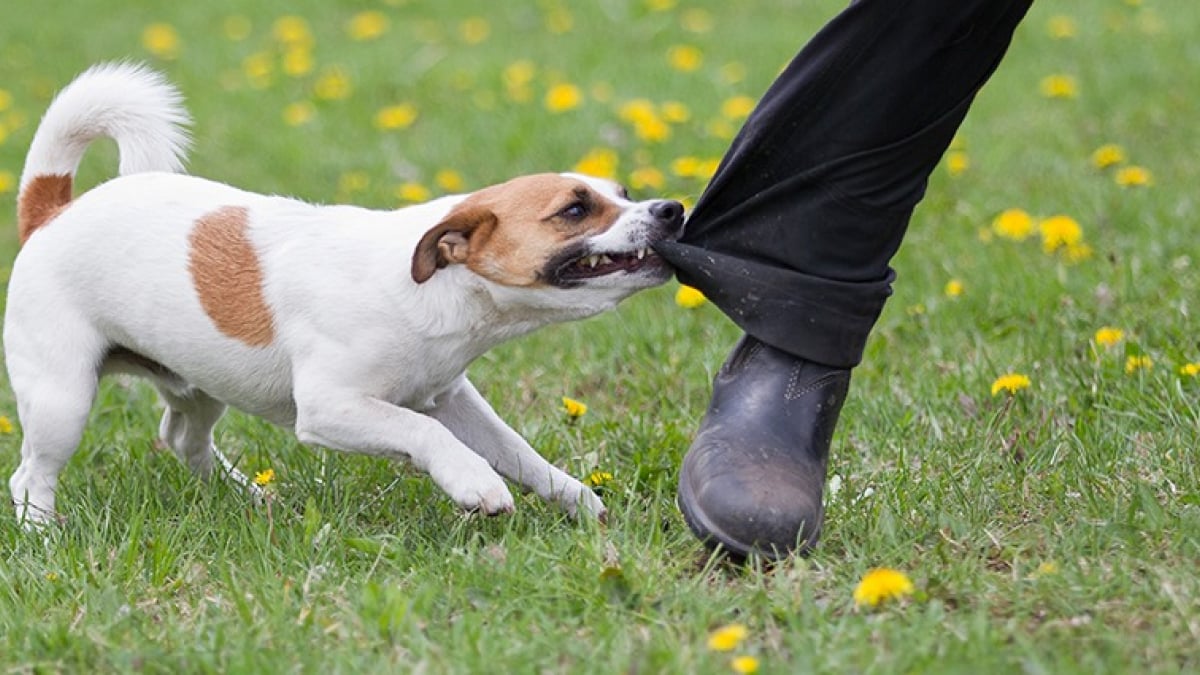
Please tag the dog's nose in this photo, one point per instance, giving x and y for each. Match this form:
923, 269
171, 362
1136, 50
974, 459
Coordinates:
667, 211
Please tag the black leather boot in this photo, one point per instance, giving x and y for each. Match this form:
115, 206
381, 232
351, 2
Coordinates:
753, 479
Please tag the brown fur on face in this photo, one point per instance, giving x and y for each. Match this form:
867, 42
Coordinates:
509, 232
40, 202
227, 276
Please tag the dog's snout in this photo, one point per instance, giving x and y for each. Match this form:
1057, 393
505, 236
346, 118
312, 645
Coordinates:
668, 211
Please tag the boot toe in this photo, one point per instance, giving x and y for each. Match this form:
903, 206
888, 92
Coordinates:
749, 502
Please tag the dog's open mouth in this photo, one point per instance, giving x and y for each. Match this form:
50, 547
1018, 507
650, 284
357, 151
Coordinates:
602, 264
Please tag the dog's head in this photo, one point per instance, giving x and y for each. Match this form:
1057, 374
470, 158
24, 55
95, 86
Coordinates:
553, 231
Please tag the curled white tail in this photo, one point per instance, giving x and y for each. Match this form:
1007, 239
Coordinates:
129, 103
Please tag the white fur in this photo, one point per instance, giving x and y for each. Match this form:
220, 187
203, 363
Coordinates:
363, 359
131, 104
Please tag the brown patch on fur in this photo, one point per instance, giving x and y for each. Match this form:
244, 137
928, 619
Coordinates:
227, 276
508, 232
40, 202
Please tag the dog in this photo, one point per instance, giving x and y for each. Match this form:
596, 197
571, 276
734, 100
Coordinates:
352, 327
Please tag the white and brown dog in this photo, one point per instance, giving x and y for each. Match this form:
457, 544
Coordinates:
351, 326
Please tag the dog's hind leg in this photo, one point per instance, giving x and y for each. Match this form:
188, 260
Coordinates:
187, 426
54, 380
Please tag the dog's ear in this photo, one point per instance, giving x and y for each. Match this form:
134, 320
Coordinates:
449, 241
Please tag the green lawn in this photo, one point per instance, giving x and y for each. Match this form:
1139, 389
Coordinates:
1054, 530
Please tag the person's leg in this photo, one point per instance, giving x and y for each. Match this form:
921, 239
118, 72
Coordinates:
792, 240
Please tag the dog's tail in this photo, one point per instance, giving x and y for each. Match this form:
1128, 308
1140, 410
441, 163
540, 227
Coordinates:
129, 103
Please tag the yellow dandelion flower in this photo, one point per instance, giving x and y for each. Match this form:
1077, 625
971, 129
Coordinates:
449, 180
399, 116
292, 30
236, 28
732, 72
559, 20
660, 5
686, 166
954, 288
474, 30
518, 73
574, 409
297, 61
368, 25
957, 163
412, 192
517, 77
298, 113
264, 478
737, 107
51, 576
1109, 154
1010, 383
744, 665
647, 177
1059, 86
881, 584
689, 298
1136, 362
353, 182
161, 40
563, 97
676, 112
721, 128
637, 109
698, 21
1061, 27
332, 85
1047, 568
1014, 224
1133, 176
599, 162
685, 58
1076, 253
1108, 336
727, 638
6, 425
7, 182
596, 478
258, 68
652, 130
1190, 369
1059, 232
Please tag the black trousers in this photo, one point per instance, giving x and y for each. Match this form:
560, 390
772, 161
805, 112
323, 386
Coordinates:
793, 236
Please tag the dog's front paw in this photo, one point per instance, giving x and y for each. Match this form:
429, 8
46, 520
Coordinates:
488, 496
579, 501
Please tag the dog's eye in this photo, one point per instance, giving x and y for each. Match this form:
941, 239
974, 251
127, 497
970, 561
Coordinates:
576, 211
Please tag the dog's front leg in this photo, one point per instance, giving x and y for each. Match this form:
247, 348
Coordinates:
466, 413
350, 421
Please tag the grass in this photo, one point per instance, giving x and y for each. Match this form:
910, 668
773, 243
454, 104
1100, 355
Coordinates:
1057, 530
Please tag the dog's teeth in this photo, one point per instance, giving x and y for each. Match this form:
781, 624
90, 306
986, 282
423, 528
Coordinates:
593, 260
606, 260
641, 253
